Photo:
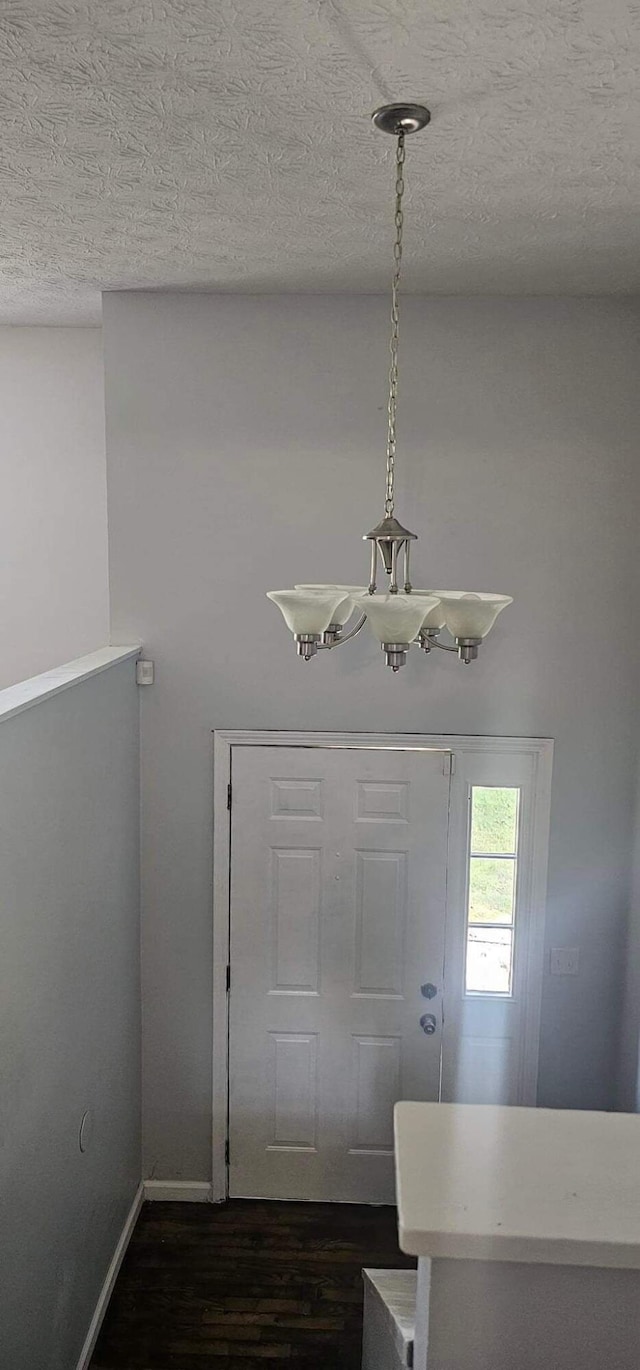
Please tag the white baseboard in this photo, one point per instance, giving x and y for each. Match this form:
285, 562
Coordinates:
110, 1279
181, 1191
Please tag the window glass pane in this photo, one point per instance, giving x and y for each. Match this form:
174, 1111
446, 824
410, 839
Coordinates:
489, 960
494, 818
491, 889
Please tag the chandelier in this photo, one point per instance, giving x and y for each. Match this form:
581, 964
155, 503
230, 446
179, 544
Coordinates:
400, 617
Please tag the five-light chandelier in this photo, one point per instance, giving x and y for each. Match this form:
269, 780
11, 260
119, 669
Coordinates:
401, 617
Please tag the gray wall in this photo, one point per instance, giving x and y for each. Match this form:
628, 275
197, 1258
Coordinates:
245, 445
54, 583
628, 1093
69, 1009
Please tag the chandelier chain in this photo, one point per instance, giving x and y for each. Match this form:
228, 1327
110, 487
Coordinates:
395, 321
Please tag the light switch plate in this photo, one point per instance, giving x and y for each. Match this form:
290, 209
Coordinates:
565, 960
144, 672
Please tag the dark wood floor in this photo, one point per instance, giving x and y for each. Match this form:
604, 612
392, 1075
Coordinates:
245, 1282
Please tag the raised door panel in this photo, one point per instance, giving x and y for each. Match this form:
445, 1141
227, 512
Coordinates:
382, 801
376, 1087
297, 798
294, 1091
381, 915
295, 919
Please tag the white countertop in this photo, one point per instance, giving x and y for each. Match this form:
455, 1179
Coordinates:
518, 1184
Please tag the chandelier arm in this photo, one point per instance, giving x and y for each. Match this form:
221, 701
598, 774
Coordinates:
442, 646
395, 321
329, 646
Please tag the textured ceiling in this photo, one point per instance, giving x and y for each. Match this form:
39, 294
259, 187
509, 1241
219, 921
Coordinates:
226, 145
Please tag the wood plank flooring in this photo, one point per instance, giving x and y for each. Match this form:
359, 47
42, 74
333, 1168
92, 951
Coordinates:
249, 1284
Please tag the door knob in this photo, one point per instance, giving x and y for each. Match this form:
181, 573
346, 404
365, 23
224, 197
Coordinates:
428, 1023
428, 991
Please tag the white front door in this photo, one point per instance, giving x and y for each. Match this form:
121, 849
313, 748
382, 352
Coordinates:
338, 886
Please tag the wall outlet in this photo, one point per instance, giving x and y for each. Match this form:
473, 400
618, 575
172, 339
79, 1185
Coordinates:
565, 960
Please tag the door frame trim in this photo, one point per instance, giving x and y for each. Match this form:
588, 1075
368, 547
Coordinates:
224, 740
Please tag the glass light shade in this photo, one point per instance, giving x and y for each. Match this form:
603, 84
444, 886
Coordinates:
345, 610
308, 611
435, 617
468, 614
395, 618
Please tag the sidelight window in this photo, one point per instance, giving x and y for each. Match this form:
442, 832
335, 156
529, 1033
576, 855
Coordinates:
491, 888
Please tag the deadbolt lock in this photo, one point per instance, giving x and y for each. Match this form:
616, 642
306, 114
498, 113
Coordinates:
428, 991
